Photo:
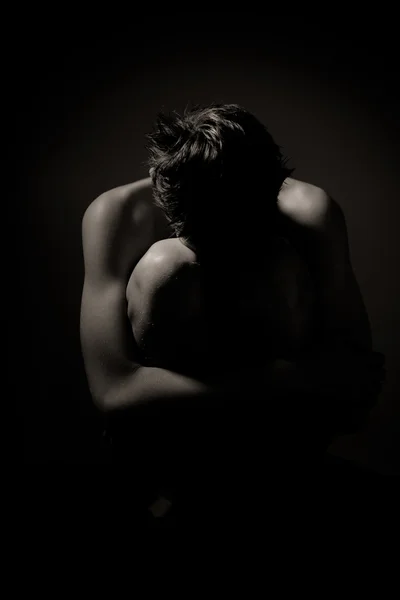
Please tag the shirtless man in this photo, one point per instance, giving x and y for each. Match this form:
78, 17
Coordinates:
124, 225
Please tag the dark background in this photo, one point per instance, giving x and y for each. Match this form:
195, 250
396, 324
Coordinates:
85, 100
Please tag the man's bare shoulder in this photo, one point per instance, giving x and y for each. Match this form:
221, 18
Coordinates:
167, 267
118, 227
304, 203
130, 192
166, 259
132, 201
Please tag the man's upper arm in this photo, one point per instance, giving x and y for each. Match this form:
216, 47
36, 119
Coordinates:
346, 316
110, 250
342, 313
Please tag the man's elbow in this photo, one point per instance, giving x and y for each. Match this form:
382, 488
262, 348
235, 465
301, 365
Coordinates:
104, 397
107, 403
119, 395
100, 398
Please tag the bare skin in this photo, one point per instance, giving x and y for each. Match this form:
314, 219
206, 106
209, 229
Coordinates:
172, 328
121, 225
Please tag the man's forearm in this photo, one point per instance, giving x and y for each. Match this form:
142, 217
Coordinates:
153, 386
313, 377
159, 387
268, 393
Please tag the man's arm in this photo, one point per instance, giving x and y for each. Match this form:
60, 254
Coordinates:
344, 368
115, 234
318, 226
111, 247
344, 317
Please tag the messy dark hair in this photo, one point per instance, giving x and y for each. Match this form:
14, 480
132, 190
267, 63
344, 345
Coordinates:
210, 167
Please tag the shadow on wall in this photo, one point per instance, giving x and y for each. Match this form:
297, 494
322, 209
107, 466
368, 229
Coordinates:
94, 141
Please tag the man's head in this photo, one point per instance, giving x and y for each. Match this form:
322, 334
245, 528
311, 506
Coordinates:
216, 172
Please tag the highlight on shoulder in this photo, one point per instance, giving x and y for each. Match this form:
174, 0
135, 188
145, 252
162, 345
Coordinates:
165, 259
136, 197
303, 202
168, 270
